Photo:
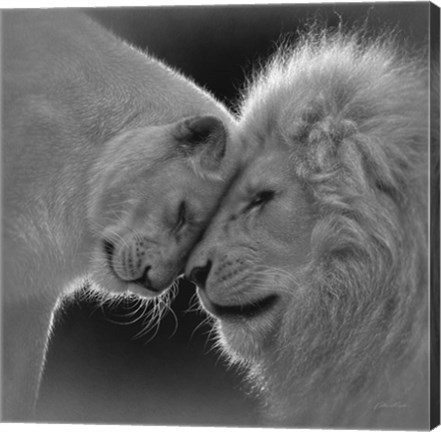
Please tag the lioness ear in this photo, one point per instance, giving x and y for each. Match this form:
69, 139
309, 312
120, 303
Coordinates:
203, 137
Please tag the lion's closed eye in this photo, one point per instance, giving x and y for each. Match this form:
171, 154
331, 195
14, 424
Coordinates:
181, 218
261, 198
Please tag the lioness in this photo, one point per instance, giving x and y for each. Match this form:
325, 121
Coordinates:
315, 267
112, 165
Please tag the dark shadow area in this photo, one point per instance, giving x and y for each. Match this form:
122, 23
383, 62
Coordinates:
97, 370
102, 370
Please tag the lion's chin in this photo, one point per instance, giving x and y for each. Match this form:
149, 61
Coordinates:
239, 309
243, 328
242, 342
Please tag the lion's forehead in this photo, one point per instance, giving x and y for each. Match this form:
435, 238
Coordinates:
268, 169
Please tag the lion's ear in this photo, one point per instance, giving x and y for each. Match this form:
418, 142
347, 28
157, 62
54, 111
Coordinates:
203, 137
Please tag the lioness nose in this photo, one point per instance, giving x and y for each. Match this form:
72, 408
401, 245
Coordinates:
199, 275
144, 280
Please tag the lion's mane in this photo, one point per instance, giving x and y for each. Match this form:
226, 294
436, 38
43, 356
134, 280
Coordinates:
356, 113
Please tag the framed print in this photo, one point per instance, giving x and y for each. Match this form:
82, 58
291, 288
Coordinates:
222, 215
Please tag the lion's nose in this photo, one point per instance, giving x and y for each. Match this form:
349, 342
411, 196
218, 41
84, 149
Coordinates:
199, 275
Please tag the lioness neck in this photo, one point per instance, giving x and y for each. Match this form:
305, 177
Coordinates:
100, 81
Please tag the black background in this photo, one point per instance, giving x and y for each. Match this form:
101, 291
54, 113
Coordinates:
97, 370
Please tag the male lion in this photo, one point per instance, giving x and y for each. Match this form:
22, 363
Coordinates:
112, 166
315, 266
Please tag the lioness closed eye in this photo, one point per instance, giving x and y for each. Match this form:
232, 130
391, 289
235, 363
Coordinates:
112, 166
315, 266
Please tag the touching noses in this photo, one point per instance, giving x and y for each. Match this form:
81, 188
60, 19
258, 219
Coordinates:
199, 274
204, 260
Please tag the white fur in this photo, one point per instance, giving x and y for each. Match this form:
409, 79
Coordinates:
70, 91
